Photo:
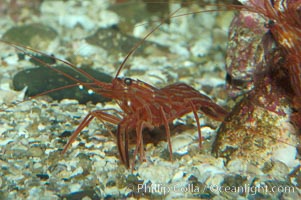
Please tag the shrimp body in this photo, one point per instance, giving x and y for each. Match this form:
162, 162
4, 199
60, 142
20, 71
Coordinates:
286, 30
145, 106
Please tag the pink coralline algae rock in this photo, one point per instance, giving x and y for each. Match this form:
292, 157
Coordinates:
245, 52
259, 128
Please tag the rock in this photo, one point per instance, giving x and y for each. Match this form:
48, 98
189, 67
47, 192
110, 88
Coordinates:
31, 35
43, 79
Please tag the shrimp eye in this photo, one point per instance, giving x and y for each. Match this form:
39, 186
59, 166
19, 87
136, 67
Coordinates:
269, 24
127, 81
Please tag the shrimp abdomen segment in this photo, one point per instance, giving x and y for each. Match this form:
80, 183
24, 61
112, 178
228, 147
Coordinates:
177, 100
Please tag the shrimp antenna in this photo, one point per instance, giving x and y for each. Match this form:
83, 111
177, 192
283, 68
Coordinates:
141, 42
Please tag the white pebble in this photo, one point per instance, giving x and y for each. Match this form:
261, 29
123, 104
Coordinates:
155, 174
287, 155
180, 143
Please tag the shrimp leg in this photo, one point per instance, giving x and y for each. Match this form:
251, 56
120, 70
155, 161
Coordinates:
102, 116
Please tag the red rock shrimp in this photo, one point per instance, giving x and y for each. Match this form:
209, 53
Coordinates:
143, 106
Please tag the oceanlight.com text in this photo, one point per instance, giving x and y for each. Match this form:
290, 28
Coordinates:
247, 189
216, 189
